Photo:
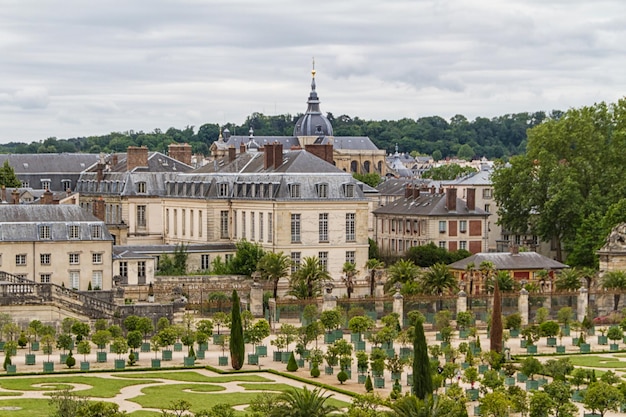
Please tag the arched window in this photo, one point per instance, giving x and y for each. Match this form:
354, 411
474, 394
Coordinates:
353, 166
366, 167
380, 167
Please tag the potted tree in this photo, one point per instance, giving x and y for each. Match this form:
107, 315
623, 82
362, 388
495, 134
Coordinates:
202, 340
463, 322
615, 334
155, 345
119, 347
377, 363
47, 342
145, 326
167, 337
530, 367
255, 334
220, 319
359, 325
34, 328
280, 342
134, 339
549, 329
513, 322
362, 365
331, 358
565, 316
560, 347
29, 358
101, 338
10, 348
602, 339
223, 342
395, 365
331, 320
65, 343
470, 375
206, 328
290, 333
530, 335
84, 348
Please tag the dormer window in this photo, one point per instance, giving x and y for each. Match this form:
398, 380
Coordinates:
322, 190
44, 232
222, 190
96, 231
294, 190
141, 187
348, 190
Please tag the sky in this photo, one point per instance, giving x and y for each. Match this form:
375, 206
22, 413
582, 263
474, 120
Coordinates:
77, 68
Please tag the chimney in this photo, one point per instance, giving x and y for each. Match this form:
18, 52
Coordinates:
99, 172
136, 156
432, 189
451, 199
98, 208
181, 152
416, 192
15, 196
268, 155
114, 159
242, 148
46, 198
514, 249
471, 199
324, 152
278, 155
232, 152
408, 192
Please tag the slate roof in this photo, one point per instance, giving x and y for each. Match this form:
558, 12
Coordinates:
482, 177
354, 143
146, 251
428, 204
397, 186
50, 163
157, 162
509, 261
287, 141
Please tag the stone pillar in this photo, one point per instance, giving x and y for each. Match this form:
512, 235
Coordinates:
272, 307
461, 302
398, 306
583, 304
256, 299
523, 306
329, 302
379, 292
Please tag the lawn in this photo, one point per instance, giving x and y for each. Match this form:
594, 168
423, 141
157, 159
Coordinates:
100, 387
592, 361
30, 408
266, 387
191, 376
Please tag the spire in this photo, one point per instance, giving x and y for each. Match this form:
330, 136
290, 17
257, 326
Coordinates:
313, 101
220, 138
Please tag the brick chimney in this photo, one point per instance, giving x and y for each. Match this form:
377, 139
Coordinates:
514, 249
242, 148
471, 199
408, 191
114, 159
416, 192
98, 209
136, 156
278, 155
99, 172
451, 199
232, 153
46, 198
15, 197
268, 155
324, 152
181, 152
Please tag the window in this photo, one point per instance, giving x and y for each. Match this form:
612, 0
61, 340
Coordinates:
141, 272
488, 208
74, 258
295, 228
96, 258
351, 257
44, 258
487, 193
260, 227
224, 224
442, 244
252, 233
200, 223
20, 259
463, 226
235, 224
350, 227
322, 190
141, 216
294, 190
167, 221
66, 185
228, 257
75, 280
222, 190
124, 269
96, 231
45, 184
25, 184
270, 227
348, 190
442, 226
183, 219
205, 262
96, 280
323, 257
44, 278
141, 187
191, 223
323, 227
295, 261
175, 222
44, 232
243, 224
463, 245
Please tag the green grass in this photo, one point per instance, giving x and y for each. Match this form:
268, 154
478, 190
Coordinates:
30, 408
191, 376
597, 362
100, 387
143, 413
161, 397
266, 387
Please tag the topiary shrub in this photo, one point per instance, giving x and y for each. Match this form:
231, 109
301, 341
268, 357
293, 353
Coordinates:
292, 365
132, 359
70, 361
7, 362
315, 371
369, 387
342, 377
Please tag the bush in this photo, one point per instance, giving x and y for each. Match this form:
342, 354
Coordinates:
315, 371
369, 387
342, 377
132, 359
70, 361
549, 328
513, 321
292, 365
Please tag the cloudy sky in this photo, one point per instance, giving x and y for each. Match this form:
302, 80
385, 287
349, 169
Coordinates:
77, 68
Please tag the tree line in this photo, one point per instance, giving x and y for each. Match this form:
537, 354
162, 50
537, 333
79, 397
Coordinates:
498, 137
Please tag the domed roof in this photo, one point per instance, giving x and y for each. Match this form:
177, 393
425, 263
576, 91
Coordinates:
313, 122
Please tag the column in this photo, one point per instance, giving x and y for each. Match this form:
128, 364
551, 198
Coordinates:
583, 304
379, 292
256, 299
523, 306
461, 302
398, 306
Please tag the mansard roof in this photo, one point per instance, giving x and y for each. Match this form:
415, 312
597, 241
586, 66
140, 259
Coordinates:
428, 204
50, 163
510, 261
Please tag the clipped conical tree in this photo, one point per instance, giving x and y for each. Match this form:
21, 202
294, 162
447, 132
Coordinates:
422, 378
237, 347
495, 333
369, 387
292, 365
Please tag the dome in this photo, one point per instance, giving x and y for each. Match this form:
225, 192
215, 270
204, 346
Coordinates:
313, 122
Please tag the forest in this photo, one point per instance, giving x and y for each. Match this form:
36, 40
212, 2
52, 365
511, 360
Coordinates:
499, 137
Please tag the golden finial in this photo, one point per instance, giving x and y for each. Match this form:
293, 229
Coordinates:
313, 70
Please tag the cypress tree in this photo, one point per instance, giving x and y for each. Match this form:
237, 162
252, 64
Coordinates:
422, 379
495, 334
369, 387
237, 348
292, 365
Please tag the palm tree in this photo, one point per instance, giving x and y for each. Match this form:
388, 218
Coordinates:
302, 403
616, 281
273, 266
349, 272
568, 280
401, 272
411, 406
307, 282
506, 283
374, 265
437, 280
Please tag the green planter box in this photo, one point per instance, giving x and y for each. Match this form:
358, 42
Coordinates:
560, 349
613, 347
521, 377
390, 352
29, 359
406, 352
551, 341
603, 340
328, 370
592, 331
305, 354
361, 379
338, 334
465, 365
200, 354
11, 369
136, 355
463, 334
514, 333
120, 364
277, 356
34, 346
477, 410
101, 357
395, 376
253, 359
62, 358
300, 362
542, 381
166, 355
444, 345
531, 349
203, 346
222, 360
483, 368
532, 385
261, 351
189, 361
624, 339
145, 347
523, 343
472, 394
2, 346
284, 357
509, 381
355, 337
577, 396
48, 367
359, 346
84, 366
178, 347
155, 363
575, 341
379, 382
438, 337
329, 338
585, 348
348, 372
217, 338
565, 330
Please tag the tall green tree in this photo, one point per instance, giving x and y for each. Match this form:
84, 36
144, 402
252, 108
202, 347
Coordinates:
422, 378
302, 403
308, 280
602, 397
273, 266
495, 334
246, 258
236, 343
8, 177
616, 281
